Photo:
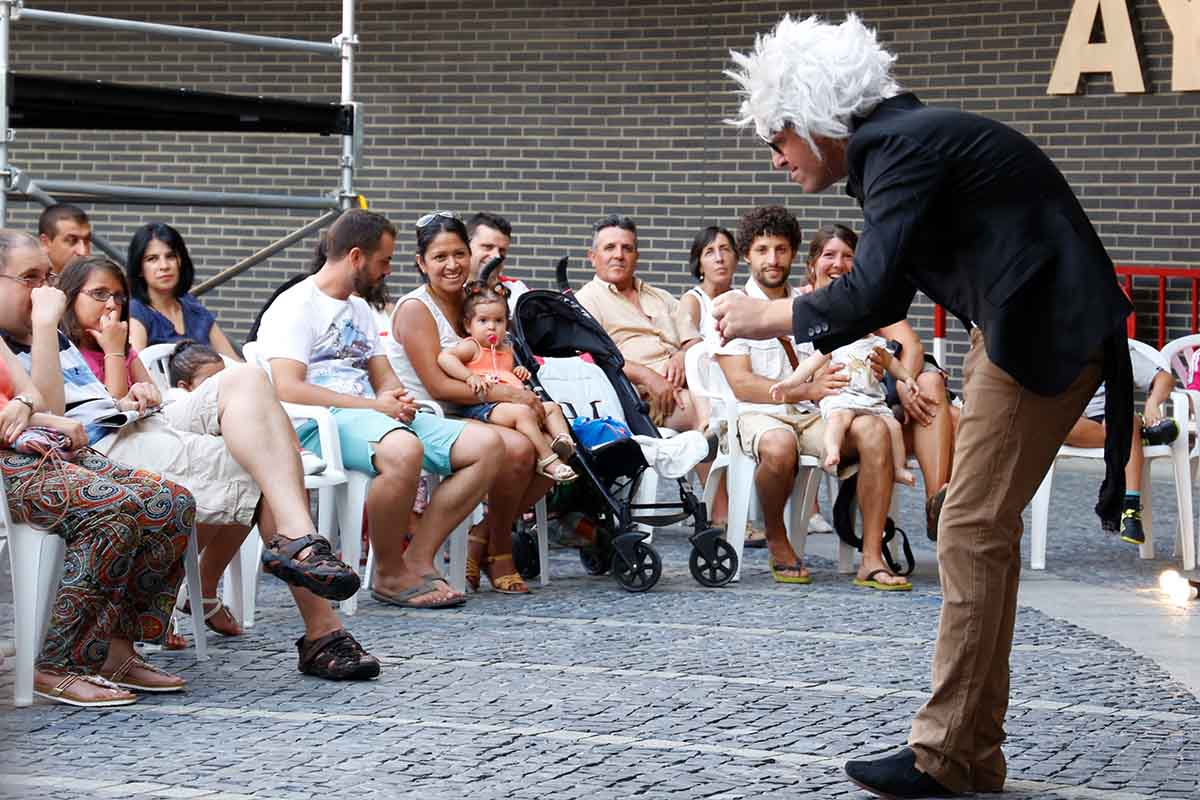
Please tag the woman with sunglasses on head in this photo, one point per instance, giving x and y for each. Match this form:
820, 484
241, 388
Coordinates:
160, 273
428, 320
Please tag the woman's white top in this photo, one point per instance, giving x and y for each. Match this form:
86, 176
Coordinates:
707, 324
447, 337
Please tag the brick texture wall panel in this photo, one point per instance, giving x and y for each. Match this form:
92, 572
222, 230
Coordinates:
553, 113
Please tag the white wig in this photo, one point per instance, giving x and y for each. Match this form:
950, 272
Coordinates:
812, 76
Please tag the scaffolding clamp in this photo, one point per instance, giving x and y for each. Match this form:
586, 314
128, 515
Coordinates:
15, 8
344, 40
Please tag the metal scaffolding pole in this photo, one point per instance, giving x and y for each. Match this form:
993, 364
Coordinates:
347, 42
178, 31
187, 197
5, 21
27, 187
266, 252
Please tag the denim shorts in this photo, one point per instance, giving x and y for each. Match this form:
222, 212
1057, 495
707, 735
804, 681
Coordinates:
479, 411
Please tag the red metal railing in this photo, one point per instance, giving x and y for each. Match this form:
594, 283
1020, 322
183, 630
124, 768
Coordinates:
1127, 272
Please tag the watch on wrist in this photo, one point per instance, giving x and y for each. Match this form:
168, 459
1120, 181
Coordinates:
23, 399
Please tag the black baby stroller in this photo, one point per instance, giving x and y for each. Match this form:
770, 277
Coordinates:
555, 326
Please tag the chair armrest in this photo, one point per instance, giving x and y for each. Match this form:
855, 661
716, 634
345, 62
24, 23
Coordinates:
432, 406
327, 434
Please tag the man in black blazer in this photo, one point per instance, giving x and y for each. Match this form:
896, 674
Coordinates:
974, 215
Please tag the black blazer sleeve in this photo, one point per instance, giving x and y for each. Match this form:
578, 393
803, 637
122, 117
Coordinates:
899, 179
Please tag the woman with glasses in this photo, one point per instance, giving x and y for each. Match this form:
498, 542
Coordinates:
96, 320
161, 272
428, 320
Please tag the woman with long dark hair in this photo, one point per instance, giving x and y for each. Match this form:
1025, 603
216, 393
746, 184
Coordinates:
161, 273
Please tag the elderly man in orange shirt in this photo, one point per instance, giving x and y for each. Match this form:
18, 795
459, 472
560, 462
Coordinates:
647, 324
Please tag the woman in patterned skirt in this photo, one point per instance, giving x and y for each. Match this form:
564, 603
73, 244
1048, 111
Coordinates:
125, 529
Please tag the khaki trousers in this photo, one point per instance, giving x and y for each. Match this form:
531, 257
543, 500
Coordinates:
1007, 437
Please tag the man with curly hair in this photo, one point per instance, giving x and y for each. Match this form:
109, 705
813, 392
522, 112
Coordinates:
974, 215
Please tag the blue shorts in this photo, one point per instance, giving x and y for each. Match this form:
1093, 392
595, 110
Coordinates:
360, 428
479, 411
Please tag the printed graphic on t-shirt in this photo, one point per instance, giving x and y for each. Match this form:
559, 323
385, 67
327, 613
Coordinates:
339, 358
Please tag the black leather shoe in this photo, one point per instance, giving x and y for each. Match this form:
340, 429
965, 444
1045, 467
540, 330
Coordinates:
895, 777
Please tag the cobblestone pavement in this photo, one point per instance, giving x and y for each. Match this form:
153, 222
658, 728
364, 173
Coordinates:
585, 691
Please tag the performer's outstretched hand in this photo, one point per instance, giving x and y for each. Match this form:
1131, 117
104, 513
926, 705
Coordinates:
742, 317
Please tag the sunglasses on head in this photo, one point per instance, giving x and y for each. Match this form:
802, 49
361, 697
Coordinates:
428, 218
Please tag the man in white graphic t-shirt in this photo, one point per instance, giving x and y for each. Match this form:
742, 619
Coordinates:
324, 348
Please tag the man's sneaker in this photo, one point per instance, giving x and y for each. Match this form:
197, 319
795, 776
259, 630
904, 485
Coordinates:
1164, 431
336, 657
1131, 526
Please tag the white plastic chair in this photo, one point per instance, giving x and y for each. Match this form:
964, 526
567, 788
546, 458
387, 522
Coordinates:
706, 378
241, 576
1177, 451
1178, 354
36, 563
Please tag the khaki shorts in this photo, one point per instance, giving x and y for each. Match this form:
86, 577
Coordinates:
183, 444
809, 430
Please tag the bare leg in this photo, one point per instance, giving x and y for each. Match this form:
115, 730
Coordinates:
836, 424
514, 489
899, 460
515, 416
868, 438
473, 459
933, 444
260, 437
776, 472
556, 423
684, 417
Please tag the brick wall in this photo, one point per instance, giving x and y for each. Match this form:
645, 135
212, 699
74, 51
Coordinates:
555, 113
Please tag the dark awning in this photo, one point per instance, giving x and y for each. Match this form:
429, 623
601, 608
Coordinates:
51, 102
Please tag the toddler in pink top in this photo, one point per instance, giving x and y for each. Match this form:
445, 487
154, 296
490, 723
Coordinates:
485, 359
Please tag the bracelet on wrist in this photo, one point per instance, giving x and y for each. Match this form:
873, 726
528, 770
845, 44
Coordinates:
115, 355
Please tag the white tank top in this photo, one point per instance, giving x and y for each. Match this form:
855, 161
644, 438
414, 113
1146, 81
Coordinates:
447, 337
707, 326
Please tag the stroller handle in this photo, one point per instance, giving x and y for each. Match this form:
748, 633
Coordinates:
560, 275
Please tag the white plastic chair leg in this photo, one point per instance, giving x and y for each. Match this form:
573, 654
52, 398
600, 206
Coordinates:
847, 555
36, 558
191, 567
1041, 516
797, 514
647, 492
543, 542
351, 500
1146, 549
741, 487
241, 580
1183, 497
458, 554
326, 508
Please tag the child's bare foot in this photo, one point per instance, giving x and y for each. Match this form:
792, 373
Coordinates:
831, 463
905, 476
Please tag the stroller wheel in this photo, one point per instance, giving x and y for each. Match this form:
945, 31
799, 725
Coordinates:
592, 561
525, 553
716, 571
642, 573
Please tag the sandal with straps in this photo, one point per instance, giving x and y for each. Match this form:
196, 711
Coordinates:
217, 608
563, 447
121, 677
510, 583
61, 692
559, 473
321, 572
472, 564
